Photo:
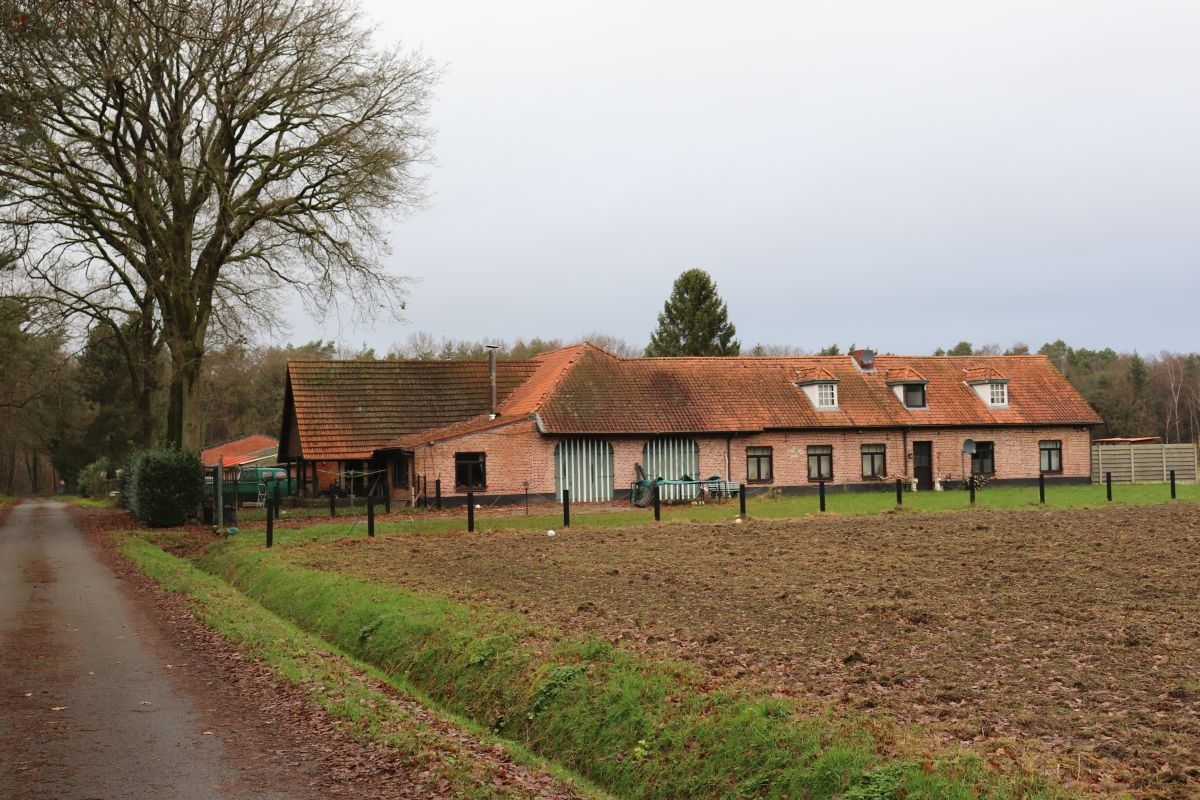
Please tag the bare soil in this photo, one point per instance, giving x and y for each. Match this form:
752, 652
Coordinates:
1066, 642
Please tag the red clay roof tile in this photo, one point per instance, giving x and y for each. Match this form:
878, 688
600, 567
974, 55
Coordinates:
345, 410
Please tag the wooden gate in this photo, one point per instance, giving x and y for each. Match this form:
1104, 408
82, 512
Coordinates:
672, 458
585, 466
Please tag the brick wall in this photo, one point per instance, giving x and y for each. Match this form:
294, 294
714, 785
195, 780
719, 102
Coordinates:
516, 454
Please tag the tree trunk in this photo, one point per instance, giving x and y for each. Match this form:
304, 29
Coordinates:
184, 426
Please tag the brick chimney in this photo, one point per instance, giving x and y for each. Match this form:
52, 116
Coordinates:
865, 359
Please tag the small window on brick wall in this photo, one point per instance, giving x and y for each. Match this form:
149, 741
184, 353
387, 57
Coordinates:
1051, 455
874, 461
820, 462
470, 471
759, 464
983, 460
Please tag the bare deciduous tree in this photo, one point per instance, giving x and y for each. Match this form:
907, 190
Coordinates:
183, 161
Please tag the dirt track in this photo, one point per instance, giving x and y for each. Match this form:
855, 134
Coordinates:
152, 704
1065, 641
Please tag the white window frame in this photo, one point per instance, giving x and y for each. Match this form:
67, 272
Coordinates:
998, 394
827, 395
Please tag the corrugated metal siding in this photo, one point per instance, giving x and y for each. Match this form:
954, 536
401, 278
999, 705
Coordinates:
671, 458
585, 466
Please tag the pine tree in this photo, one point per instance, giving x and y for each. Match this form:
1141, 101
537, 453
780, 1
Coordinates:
694, 321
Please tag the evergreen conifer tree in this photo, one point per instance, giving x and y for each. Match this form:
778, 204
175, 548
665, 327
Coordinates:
694, 321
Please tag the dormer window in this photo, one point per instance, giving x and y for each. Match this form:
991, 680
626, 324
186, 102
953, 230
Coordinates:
914, 395
827, 395
989, 384
820, 386
909, 386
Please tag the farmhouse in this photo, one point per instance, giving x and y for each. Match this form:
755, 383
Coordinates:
583, 419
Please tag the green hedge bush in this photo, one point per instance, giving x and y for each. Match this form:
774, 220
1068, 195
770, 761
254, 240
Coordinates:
93, 479
163, 487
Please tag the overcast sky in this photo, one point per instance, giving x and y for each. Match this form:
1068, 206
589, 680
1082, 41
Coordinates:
899, 175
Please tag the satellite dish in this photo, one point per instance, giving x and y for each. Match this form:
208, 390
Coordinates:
969, 446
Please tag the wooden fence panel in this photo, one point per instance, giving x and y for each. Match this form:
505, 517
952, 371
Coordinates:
1145, 463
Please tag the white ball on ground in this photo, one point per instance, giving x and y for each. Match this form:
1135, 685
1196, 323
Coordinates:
550, 533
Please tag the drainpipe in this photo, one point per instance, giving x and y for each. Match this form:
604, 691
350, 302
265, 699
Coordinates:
728, 462
492, 381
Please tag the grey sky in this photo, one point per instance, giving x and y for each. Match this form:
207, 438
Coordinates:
902, 175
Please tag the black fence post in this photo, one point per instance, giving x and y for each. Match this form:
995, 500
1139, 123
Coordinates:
1042, 488
566, 508
657, 503
972, 490
470, 512
1172, 484
270, 523
742, 500
332, 502
371, 516
821, 493
437, 493
1108, 485
899, 492
275, 503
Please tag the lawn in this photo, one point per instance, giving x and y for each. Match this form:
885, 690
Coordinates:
306, 523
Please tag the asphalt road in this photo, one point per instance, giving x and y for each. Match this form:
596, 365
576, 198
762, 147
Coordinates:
87, 709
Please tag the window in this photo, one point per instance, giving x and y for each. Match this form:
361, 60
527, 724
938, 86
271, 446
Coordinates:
999, 394
914, 395
983, 460
1051, 450
874, 460
758, 464
826, 395
470, 471
820, 462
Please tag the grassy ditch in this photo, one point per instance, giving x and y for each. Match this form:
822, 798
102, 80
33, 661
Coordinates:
637, 728
335, 683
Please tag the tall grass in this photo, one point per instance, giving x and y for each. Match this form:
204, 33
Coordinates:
638, 728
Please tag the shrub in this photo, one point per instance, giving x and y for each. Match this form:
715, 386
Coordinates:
93, 479
164, 487
128, 466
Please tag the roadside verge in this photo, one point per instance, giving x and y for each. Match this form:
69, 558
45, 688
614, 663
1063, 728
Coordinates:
439, 756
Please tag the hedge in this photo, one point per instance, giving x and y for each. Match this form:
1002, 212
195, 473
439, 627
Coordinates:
164, 487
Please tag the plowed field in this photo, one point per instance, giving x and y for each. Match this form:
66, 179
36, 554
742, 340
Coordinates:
1067, 642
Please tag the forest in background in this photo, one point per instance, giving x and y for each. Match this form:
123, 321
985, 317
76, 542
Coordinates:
64, 405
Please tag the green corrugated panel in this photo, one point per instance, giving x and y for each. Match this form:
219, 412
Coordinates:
585, 466
671, 458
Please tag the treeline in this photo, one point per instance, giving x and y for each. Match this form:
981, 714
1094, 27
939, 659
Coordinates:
65, 406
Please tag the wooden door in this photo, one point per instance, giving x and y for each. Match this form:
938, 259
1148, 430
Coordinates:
923, 465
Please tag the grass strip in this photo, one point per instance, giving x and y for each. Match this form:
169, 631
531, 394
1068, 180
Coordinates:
638, 728
334, 682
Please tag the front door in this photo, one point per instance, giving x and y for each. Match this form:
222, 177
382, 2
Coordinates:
923, 465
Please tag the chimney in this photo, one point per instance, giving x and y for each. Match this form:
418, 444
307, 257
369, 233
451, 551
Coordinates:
491, 348
865, 359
